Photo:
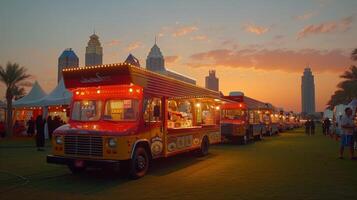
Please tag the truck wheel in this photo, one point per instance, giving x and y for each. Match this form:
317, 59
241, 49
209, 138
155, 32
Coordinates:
76, 170
139, 163
203, 150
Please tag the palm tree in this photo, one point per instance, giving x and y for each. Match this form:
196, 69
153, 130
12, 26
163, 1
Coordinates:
12, 76
348, 87
354, 55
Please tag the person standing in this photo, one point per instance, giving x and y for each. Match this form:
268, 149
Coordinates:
40, 133
307, 127
31, 127
312, 125
327, 124
347, 126
51, 126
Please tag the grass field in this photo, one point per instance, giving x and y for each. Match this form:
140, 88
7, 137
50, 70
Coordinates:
289, 166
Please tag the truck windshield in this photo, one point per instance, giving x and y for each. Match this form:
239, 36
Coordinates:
86, 110
121, 110
233, 114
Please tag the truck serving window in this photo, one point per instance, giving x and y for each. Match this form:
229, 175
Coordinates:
121, 110
233, 114
86, 110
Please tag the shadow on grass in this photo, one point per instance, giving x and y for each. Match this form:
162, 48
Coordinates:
165, 166
99, 180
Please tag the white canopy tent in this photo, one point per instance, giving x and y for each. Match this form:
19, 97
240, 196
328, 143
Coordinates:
32, 98
59, 96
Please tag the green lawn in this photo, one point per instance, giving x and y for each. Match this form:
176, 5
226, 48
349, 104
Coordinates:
289, 166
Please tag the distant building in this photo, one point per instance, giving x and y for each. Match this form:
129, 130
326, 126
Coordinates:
94, 51
307, 92
68, 58
155, 62
132, 60
212, 82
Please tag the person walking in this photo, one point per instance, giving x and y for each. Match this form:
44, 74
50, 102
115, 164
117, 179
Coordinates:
40, 133
307, 127
347, 126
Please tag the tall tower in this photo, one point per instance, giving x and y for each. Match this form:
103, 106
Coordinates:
212, 82
67, 59
307, 92
155, 60
94, 51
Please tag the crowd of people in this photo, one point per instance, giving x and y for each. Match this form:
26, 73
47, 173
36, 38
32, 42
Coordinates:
345, 131
38, 126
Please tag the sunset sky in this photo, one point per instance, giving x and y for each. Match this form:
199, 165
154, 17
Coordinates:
256, 46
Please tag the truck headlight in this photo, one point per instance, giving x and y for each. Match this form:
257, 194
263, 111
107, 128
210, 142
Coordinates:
59, 140
112, 142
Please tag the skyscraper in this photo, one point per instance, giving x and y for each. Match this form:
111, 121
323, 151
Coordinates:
307, 92
94, 51
212, 82
155, 60
67, 59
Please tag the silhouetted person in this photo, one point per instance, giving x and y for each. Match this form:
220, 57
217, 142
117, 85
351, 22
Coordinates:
51, 126
326, 125
31, 127
312, 125
307, 127
40, 136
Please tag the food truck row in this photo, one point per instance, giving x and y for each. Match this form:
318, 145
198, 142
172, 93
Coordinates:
124, 116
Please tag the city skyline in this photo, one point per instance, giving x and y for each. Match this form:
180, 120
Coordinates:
262, 56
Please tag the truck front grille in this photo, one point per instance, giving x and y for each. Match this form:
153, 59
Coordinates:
83, 145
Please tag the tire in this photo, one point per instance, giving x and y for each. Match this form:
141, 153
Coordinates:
139, 164
76, 170
203, 150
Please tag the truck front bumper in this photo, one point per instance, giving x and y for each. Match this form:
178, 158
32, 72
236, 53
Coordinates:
87, 162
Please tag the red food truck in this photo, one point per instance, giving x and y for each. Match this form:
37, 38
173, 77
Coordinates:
122, 115
270, 119
242, 118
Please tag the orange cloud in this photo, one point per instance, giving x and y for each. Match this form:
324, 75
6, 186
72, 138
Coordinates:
258, 30
278, 59
171, 59
199, 38
113, 42
327, 27
134, 45
183, 30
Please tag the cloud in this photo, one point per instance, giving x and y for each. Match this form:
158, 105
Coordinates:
305, 16
255, 29
134, 45
327, 27
183, 30
278, 59
113, 43
199, 38
172, 59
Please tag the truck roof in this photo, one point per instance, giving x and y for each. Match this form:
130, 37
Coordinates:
127, 74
